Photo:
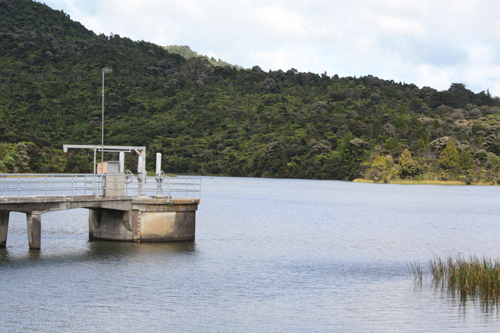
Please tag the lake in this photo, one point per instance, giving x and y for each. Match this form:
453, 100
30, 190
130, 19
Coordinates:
270, 255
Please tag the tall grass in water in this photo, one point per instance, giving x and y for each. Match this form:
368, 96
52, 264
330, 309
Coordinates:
416, 271
470, 277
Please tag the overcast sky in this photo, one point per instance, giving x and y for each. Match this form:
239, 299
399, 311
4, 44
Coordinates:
426, 42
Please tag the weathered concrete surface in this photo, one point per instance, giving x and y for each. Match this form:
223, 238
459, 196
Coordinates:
140, 219
164, 221
167, 226
114, 186
34, 226
107, 224
52, 204
4, 227
149, 220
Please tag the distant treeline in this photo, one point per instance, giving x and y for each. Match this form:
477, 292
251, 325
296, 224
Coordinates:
216, 118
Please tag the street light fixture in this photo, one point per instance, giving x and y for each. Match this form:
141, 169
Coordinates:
104, 70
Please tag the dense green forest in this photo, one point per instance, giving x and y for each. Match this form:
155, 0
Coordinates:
218, 119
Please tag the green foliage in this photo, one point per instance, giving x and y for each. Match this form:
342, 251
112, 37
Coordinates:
209, 117
407, 166
449, 158
482, 156
9, 163
471, 277
466, 161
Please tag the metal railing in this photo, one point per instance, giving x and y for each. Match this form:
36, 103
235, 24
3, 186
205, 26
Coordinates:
116, 186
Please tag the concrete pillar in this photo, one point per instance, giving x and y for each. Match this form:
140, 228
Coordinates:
91, 227
4, 226
34, 224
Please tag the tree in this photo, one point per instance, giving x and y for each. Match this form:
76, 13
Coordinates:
407, 166
449, 158
269, 85
482, 156
9, 163
228, 120
377, 167
466, 161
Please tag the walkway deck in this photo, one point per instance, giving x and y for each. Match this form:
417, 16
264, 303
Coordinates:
117, 204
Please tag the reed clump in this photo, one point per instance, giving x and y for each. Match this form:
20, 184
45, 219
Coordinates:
415, 269
473, 276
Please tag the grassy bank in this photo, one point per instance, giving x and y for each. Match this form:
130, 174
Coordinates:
420, 182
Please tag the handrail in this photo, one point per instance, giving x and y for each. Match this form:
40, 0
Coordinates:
117, 186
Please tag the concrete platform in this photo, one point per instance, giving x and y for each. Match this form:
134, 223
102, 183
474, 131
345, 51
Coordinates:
133, 219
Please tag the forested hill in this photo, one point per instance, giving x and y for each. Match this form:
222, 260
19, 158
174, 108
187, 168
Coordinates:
208, 119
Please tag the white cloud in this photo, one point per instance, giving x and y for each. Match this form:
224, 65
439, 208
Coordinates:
391, 26
284, 23
426, 42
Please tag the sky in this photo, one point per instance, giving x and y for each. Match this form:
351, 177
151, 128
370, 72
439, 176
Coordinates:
430, 43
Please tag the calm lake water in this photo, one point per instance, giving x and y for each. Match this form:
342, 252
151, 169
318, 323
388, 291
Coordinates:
270, 255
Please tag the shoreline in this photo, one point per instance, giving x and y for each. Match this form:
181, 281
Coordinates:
421, 182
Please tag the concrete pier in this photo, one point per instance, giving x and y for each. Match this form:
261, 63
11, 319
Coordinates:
148, 220
138, 219
121, 207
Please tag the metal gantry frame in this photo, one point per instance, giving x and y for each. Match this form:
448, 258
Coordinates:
140, 151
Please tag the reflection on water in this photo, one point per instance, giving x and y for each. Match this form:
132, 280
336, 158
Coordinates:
4, 255
269, 255
99, 251
102, 249
463, 301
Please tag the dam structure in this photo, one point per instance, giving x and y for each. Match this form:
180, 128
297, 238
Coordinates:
122, 206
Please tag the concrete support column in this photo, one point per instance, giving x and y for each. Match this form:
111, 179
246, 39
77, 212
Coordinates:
91, 227
34, 224
4, 226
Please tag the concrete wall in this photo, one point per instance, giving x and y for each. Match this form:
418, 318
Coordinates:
148, 221
167, 226
114, 186
107, 224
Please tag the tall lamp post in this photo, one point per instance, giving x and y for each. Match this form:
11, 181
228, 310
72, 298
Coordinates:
104, 70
